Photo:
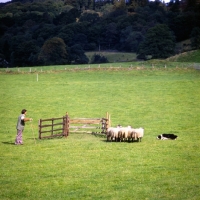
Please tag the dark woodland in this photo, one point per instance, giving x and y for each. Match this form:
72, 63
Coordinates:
57, 32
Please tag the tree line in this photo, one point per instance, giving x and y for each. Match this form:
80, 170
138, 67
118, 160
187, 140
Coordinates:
48, 32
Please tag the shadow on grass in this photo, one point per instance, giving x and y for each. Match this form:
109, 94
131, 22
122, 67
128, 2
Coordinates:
10, 143
104, 139
101, 135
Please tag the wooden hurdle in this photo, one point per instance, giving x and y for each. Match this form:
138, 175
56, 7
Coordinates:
54, 126
63, 125
89, 125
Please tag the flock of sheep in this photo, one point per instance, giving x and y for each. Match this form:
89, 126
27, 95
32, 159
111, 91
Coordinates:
123, 134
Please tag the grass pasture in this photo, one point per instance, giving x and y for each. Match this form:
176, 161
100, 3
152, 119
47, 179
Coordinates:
85, 166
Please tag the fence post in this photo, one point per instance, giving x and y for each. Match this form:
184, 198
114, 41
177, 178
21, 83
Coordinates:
66, 125
52, 124
39, 124
64, 119
107, 121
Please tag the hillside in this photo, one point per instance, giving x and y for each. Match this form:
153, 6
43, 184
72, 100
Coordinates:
190, 56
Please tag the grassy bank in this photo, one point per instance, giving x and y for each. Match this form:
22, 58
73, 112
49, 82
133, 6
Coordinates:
85, 166
190, 56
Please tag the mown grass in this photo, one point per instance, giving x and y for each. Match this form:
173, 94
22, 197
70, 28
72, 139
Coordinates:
85, 166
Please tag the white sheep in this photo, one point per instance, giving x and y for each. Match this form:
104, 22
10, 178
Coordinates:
113, 133
137, 134
124, 133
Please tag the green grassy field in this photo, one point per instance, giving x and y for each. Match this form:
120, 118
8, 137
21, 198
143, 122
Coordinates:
85, 166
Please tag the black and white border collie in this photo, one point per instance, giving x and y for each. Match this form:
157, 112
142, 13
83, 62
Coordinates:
167, 136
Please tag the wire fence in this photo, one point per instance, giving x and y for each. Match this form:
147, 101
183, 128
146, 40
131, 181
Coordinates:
153, 64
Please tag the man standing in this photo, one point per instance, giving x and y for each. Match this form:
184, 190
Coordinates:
20, 126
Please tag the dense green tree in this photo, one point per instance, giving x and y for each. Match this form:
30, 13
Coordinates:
127, 20
94, 33
77, 55
132, 41
119, 5
71, 2
77, 27
82, 4
106, 9
6, 21
192, 5
124, 33
44, 31
23, 52
67, 37
67, 17
53, 52
183, 24
174, 6
6, 50
89, 17
97, 59
133, 4
154, 11
117, 13
159, 42
111, 35
195, 38
158, 17
80, 39
3, 62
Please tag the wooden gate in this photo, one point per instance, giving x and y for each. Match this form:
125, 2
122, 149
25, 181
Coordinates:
54, 126
63, 125
88, 125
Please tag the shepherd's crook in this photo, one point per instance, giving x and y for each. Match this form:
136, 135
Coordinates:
33, 132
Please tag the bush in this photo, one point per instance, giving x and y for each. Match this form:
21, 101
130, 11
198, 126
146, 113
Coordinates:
96, 58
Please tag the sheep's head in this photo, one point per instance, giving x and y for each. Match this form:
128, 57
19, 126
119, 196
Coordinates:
119, 126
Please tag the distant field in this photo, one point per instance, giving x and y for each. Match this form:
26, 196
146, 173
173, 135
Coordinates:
117, 57
113, 56
85, 166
